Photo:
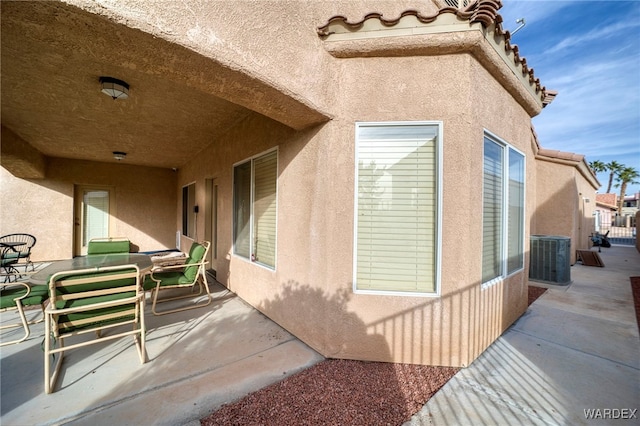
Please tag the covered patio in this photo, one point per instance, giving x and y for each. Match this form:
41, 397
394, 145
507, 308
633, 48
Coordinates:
198, 360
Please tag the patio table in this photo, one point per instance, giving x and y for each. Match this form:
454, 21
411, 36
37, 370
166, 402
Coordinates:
92, 261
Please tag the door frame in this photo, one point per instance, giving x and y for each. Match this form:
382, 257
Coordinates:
211, 220
78, 205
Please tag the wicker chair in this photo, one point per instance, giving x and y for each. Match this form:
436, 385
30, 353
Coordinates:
21, 253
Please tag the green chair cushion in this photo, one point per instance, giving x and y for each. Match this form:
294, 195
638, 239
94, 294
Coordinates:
85, 301
61, 304
168, 279
7, 262
39, 293
122, 282
196, 254
107, 247
12, 255
77, 316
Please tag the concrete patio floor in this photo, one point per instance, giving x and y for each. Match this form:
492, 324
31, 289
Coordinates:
198, 360
575, 349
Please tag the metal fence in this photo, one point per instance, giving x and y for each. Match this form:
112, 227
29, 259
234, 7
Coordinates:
624, 235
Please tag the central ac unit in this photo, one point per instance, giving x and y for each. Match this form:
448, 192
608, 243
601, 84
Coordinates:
550, 259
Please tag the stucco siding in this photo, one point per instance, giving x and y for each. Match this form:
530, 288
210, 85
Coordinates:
42, 208
565, 204
144, 205
310, 292
277, 44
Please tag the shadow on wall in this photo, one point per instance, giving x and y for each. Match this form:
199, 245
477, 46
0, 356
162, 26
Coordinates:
565, 212
304, 304
454, 329
449, 331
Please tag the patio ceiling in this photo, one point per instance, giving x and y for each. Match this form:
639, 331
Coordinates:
179, 102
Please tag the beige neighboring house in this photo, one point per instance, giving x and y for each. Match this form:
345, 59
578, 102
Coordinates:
566, 199
630, 209
324, 150
606, 210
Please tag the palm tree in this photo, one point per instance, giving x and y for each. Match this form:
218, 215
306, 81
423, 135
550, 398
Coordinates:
614, 168
598, 166
625, 176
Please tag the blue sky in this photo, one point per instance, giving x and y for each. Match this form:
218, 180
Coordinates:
589, 51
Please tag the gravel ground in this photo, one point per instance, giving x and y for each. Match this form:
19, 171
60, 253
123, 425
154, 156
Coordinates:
342, 392
339, 392
635, 289
535, 292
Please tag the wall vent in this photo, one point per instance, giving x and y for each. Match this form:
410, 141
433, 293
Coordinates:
550, 259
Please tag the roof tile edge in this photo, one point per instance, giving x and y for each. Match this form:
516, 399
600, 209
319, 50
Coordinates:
483, 12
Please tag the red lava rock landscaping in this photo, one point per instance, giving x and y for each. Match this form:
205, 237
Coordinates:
635, 289
342, 392
339, 392
534, 293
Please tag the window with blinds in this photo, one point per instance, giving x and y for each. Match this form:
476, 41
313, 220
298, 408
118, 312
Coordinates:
515, 220
492, 211
242, 209
95, 215
396, 207
502, 210
255, 205
264, 209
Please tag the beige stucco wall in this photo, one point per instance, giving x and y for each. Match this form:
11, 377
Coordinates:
310, 292
273, 41
561, 204
145, 205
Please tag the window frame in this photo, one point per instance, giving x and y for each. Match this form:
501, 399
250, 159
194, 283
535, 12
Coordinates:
504, 222
251, 236
437, 258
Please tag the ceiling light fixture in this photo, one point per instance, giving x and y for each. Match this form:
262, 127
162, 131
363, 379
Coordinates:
115, 88
119, 155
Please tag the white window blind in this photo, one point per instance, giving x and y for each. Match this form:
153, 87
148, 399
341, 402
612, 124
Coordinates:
255, 206
396, 213
492, 211
264, 215
515, 226
242, 209
96, 215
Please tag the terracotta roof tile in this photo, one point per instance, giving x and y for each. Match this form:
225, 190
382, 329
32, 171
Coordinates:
556, 156
608, 199
482, 11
